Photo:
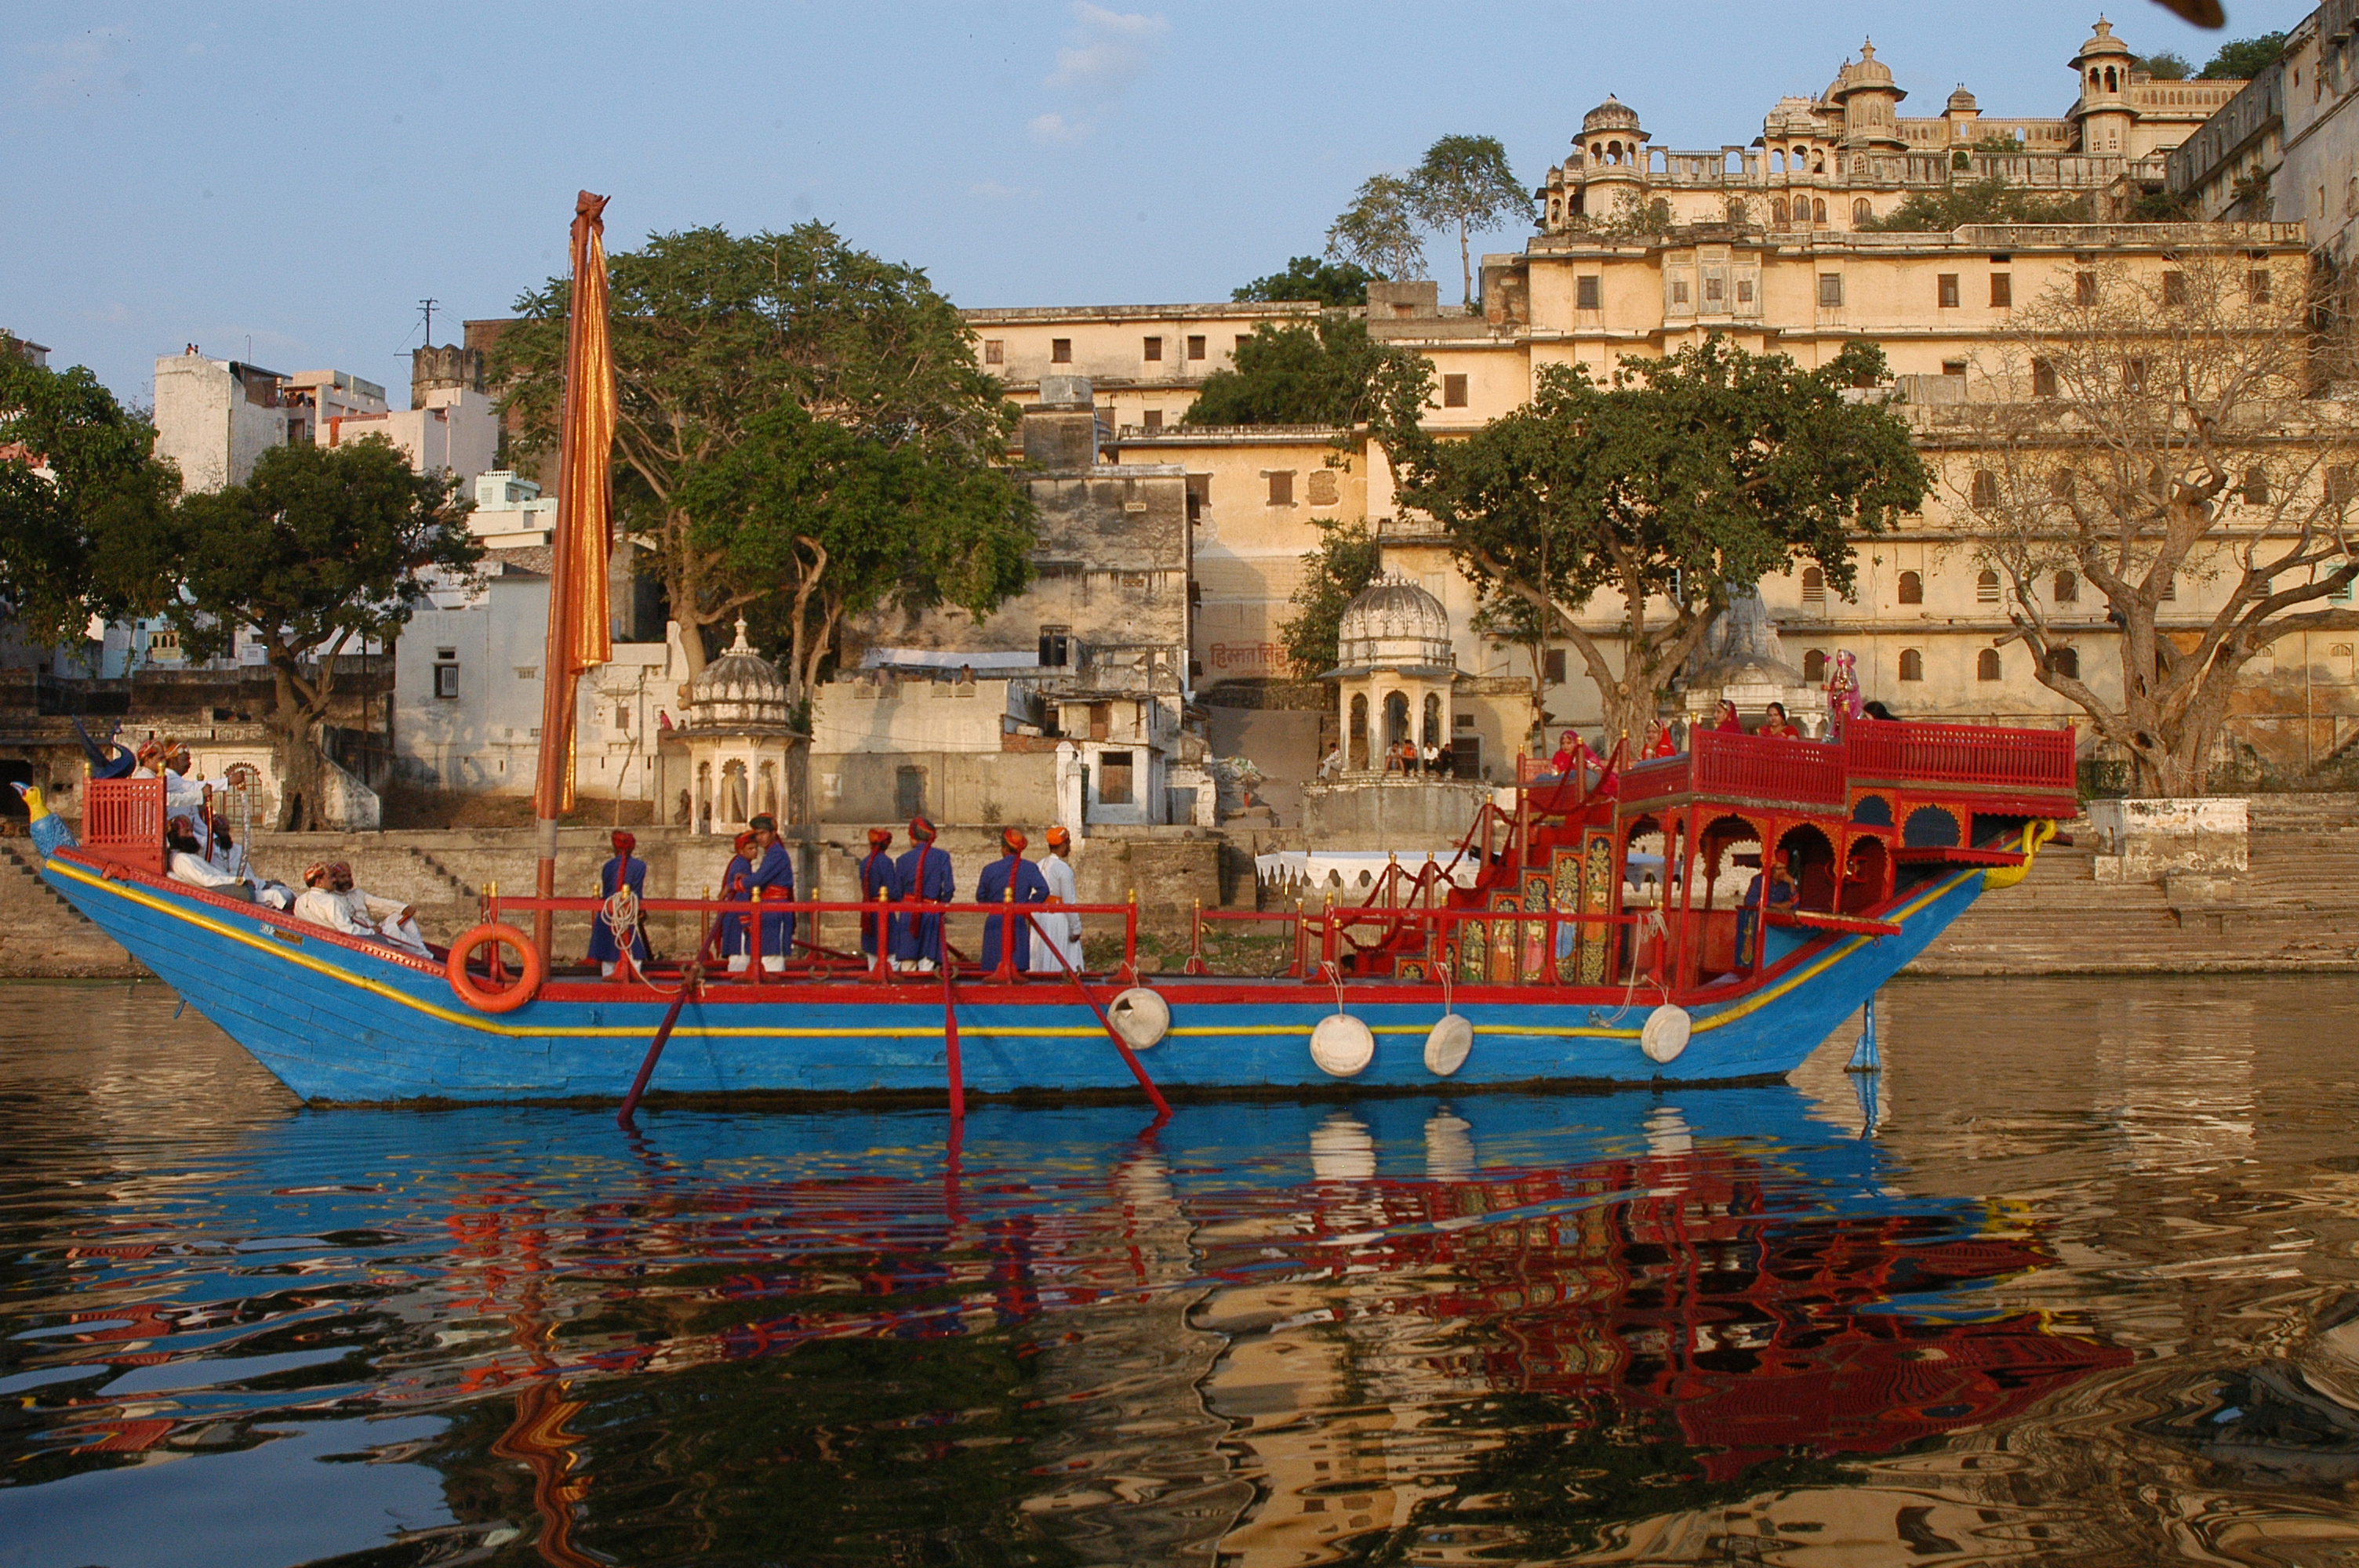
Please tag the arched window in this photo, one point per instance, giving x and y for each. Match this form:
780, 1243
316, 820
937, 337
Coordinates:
1986, 665
1737, 212
2065, 662
1355, 743
1912, 587
1819, 212
1814, 586
1912, 665
2112, 82
1985, 491
1431, 730
1819, 164
2066, 589
1778, 209
2256, 487
2338, 661
1986, 589
1862, 214
1814, 667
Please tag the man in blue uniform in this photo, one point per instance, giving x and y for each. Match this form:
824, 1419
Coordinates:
625, 870
1011, 873
880, 883
737, 945
774, 876
925, 878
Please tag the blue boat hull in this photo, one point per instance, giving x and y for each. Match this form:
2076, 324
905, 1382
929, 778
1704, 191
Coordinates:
338, 1023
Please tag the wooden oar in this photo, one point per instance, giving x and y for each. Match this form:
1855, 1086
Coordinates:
1129, 1056
950, 1043
692, 975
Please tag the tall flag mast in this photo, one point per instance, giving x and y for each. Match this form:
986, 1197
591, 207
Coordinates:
577, 639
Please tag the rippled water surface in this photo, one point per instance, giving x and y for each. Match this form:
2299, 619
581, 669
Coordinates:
2076, 1280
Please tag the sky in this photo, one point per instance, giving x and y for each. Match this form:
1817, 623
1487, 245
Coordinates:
284, 184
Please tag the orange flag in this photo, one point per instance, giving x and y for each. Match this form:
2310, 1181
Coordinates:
577, 639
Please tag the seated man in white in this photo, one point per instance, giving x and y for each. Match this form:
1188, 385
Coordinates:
184, 857
329, 899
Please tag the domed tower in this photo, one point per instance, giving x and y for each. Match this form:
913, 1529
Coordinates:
1962, 112
1614, 156
1394, 669
740, 736
2103, 113
1870, 103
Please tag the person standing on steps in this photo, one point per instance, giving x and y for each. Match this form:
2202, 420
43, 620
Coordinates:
1060, 933
925, 878
1009, 878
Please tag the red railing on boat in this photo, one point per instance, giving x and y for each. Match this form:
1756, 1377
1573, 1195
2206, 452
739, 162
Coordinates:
2030, 759
1745, 767
123, 821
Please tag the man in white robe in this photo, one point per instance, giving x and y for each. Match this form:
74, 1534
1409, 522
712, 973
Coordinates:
1059, 927
185, 859
329, 899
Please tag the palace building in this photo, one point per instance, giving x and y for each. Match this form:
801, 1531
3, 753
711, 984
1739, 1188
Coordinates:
1848, 155
1639, 252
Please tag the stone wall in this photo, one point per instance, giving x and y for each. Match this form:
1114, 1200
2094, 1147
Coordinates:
1404, 812
2147, 841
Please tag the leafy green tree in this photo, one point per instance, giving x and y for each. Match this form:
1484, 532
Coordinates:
85, 506
1379, 231
2241, 59
711, 331
2167, 67
1337, 571
323, 547
1681, 481
1333, 284
827, 522
1464, 183
1992, 200
1294, 373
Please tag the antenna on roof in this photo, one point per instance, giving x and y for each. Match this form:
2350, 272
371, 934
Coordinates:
427, 306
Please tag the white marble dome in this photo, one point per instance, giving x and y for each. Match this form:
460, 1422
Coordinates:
1394, 624
737, 689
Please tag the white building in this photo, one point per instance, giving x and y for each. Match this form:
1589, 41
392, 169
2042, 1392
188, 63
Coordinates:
214, 419
511, 513
467, 693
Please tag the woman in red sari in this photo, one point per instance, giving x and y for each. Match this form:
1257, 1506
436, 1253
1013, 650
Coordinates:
1730, 724
1659, 741
1778, 724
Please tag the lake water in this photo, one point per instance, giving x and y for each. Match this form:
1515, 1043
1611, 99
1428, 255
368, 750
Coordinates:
2074, 1279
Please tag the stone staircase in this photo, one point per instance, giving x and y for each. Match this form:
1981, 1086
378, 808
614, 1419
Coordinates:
2298, 909
43, 935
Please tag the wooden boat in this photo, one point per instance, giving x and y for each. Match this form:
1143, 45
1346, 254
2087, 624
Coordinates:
1574, 957
1559, 963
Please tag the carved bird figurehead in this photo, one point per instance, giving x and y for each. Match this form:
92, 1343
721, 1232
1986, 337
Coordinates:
49, 832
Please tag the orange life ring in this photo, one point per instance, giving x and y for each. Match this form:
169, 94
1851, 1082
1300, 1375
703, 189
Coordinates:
527, 981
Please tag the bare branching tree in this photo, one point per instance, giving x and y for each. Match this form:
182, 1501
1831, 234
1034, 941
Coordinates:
2152, 426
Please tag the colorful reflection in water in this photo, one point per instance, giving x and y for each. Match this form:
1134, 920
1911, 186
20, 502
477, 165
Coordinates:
1733, 1326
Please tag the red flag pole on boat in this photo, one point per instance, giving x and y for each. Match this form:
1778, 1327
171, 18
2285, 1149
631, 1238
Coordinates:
577, 639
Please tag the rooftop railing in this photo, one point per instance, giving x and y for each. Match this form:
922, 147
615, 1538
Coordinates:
1960, 754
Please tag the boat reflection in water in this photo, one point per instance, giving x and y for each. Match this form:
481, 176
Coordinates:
1628, 1325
